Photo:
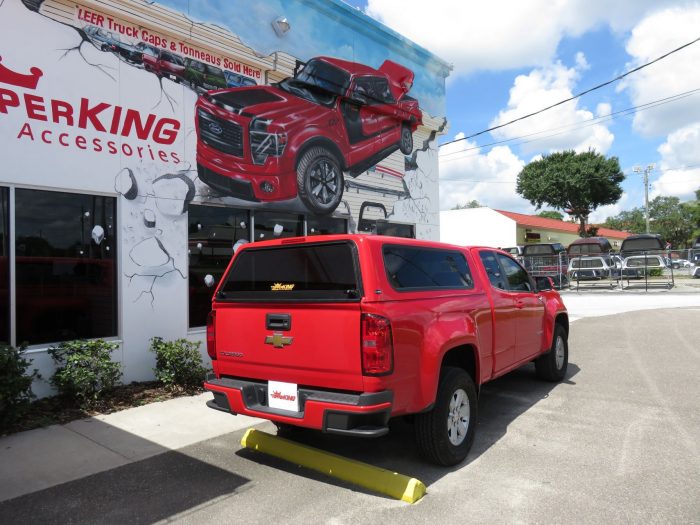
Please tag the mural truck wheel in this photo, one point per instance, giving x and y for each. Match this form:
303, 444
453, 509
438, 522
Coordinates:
320, 180
406, 144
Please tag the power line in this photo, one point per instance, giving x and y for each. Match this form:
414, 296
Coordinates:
578, 95
573, 126
626, 172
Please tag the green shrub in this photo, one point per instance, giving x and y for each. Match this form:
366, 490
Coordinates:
655, 272
15, 384
178, 363
85, 370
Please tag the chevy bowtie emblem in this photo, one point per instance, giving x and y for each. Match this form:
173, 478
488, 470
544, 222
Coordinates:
278, 340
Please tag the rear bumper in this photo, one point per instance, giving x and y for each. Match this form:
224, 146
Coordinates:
361, 415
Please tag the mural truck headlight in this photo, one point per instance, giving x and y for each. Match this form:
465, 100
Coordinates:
264, 143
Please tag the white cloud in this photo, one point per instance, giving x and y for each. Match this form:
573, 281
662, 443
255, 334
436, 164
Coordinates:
655, 35
680, 164
466, 174
569, 126
504, 34
581, 62
610, 210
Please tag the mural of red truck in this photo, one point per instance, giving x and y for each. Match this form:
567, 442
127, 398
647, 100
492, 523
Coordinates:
299, 137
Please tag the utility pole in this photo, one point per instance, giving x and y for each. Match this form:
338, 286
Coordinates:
646, 171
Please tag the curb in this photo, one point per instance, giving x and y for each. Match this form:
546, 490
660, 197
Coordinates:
373, 478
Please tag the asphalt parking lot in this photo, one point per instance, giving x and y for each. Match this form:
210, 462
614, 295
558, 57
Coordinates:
617, 441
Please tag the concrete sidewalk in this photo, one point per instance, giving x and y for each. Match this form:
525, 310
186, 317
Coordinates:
41, 458
44, 457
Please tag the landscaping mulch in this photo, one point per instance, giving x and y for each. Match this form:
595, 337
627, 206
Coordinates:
57, 410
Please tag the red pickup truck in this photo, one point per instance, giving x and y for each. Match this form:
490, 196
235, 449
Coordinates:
272, 143
341, 333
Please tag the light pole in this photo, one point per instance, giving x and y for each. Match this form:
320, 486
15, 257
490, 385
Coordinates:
646, 171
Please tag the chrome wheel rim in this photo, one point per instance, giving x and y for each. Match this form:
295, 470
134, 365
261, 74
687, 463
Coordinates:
559, 353
324, 182
458, 417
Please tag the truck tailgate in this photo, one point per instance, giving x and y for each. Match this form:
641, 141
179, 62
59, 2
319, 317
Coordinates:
312, 345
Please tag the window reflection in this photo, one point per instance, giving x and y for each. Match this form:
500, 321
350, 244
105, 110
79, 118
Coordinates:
325, 226
273, 225
213, 231
4, 266
65, 254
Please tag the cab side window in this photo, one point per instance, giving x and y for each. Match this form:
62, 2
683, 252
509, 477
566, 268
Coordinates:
517, 278
493, 270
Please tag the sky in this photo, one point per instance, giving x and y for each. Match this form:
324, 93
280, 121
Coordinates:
512, 57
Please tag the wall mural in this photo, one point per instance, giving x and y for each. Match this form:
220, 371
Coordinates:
173, 111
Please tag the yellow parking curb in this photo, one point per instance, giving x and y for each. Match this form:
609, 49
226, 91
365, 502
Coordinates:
373, 478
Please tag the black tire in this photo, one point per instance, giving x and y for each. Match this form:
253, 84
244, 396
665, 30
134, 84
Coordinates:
320, 180
437, 431
552, 365
406, 142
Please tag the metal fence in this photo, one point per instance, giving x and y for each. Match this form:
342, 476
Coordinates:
555, 266
627, 270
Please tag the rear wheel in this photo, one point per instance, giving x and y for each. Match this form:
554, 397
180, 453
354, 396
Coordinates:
320, 180
446, 433
406, 144
552, 365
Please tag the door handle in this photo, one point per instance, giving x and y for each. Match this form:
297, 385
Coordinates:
519, 305
278, 321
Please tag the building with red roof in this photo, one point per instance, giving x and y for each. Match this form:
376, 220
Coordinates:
499, 228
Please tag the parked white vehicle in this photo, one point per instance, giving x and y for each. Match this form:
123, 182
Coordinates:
594, 267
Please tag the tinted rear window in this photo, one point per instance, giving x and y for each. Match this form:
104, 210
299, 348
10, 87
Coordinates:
577, 249
410, 268
304, 271
631, 245
538, 250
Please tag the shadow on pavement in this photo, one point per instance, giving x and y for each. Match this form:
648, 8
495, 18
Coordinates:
141, 492
500, 403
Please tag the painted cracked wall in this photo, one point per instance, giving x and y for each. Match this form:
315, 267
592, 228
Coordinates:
95, 106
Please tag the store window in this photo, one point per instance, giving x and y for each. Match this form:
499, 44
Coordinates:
273, 225
213, 232
325, 226
4, 266
65, 256
396, 229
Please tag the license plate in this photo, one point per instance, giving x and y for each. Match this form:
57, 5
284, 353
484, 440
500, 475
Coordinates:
283, 396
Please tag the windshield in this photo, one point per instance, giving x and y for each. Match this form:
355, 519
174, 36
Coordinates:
319, 82
324, 76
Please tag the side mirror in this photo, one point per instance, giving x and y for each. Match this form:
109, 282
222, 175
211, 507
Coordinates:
544, 283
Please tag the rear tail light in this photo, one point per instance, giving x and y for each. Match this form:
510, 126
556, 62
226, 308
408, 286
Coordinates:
377, 346
211, 334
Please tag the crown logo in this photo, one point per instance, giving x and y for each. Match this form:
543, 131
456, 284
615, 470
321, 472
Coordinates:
30, 81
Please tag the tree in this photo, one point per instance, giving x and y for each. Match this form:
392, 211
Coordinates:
471, 204
677, 222
629, 221
671, 219
576, 183
550, 214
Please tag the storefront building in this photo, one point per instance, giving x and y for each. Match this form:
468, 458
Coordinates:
141, 141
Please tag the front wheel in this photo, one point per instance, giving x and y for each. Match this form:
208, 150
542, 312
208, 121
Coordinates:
552, 365
406, 143
320, 180
446, 433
